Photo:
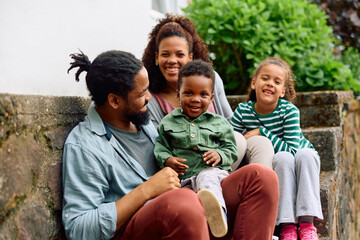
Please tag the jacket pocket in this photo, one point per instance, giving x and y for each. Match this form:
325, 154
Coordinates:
177, 136
210, 135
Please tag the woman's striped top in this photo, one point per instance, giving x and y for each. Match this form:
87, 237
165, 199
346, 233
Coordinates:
282, 126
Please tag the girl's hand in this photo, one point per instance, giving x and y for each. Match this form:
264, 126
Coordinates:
176, 164
212, 157
252, 133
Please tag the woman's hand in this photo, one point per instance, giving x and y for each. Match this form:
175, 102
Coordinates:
212, 157
252, 133
176, 164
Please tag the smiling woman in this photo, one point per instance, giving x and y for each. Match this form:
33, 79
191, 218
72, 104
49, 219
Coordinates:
172, 43
173, 53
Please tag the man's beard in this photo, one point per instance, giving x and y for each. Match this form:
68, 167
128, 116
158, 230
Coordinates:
139, 118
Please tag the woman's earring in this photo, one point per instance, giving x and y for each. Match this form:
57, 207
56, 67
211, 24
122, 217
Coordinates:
156, 64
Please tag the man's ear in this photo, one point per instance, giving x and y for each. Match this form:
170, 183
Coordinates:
114, 100
191, 56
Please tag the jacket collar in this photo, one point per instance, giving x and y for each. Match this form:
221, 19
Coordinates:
178, 112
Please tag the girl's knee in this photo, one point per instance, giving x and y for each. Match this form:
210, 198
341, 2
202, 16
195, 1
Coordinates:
284, 160
307, 156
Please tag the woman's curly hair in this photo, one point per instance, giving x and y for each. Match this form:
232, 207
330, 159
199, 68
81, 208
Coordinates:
171, 25
290, 93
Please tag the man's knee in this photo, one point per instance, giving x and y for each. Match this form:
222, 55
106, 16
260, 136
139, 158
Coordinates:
182, 203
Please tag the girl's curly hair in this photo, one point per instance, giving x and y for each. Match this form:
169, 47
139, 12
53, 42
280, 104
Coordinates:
171, 25
290, 93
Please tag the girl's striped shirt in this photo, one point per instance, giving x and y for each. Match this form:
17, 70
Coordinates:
282, 126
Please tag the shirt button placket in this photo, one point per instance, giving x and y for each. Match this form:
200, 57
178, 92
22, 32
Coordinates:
193, 134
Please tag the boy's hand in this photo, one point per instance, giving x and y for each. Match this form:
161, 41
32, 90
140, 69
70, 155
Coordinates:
212, 157
252, 133
176, 164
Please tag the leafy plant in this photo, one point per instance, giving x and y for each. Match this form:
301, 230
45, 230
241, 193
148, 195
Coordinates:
319, 71
351, 58
241, 33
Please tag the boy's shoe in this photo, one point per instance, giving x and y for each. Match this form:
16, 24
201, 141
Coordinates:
288, 232
215, 215
307, 231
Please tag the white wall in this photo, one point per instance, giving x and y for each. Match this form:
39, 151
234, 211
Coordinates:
37, 36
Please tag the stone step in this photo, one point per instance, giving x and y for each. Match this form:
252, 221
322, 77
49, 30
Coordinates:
322, 108
328, 186
327, 141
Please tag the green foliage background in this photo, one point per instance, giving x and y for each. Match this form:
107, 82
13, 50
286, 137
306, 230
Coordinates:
242, 33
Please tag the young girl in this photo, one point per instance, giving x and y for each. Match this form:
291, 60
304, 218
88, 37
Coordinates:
270, 113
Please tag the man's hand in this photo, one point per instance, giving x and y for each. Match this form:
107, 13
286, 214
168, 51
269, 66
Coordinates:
252, 133
176, 164
164, 180
212, 157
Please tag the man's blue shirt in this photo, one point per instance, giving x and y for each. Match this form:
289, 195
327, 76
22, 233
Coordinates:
96, 173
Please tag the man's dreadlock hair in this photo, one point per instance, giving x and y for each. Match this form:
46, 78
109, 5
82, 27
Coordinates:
111, 72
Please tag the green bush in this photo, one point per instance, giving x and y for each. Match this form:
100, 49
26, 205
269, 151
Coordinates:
241, 33
351, 58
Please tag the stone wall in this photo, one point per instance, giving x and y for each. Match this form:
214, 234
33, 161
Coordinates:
32, 133
33, 130
348, 210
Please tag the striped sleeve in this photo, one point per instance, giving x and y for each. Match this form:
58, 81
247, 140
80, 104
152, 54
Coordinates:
289, 140
236, 120
244, 119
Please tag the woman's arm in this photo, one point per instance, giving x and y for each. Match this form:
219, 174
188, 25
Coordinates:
221, 103
156, 113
